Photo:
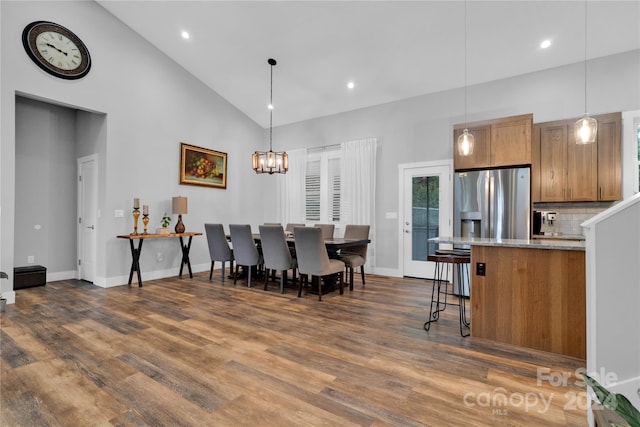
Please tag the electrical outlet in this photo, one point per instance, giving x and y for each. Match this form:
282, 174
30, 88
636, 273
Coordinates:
31, 259
159, 256
481, 269
119, 213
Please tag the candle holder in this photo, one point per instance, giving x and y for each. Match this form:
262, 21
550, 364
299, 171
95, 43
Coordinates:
136, 215
145, 221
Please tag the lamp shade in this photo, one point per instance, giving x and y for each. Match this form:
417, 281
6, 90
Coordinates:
586, 130
179, 205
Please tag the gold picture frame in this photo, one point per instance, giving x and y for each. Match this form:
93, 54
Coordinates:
202, 166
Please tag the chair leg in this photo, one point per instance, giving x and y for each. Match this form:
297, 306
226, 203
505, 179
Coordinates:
362, 273
342, 281
266, 278
211, 271
249, 276
222, 274
350, 278
303, 280
319, 279
235, 275
283, 280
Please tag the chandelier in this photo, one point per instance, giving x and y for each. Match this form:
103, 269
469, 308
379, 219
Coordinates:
270, 161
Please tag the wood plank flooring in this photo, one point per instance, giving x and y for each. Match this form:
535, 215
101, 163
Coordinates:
194, 352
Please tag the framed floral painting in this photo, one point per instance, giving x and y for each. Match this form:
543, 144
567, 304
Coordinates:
202, 166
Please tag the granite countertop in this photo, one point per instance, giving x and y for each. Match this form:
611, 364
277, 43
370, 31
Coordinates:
570, 245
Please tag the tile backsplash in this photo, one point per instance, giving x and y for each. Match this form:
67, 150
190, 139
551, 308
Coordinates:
569, 216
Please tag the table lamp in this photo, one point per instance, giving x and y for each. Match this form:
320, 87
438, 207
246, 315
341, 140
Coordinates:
180, 207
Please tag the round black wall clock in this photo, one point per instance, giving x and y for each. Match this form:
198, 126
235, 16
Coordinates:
56, 50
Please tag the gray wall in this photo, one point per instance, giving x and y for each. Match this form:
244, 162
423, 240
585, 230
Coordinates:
152, 104
420, 129
45, 185
148, 107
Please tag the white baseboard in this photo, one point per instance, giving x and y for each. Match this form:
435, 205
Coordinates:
391, 272
111, 282
61, 275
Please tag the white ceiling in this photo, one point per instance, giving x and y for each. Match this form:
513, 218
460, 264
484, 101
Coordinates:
391, 49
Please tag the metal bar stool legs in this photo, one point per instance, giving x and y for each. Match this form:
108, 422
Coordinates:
436, 305
440, 292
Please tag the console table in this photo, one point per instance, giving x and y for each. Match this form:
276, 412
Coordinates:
135, 251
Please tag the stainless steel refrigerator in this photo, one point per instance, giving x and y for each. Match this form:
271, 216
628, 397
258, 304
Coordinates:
492, 203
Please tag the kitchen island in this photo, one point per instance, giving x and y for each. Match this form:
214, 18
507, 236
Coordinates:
528, 292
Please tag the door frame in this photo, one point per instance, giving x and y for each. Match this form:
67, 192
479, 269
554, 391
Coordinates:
447, 202
90, 158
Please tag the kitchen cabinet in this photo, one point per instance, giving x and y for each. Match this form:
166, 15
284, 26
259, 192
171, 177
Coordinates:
610, 157
542, 308
500, 142
564, 171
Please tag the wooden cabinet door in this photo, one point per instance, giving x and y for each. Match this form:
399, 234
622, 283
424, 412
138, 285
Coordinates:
480, 156
609, 157
535, 165
582, 169
553, 161
511, 141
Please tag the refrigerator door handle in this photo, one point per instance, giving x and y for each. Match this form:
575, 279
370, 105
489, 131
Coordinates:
491, 217
484, 203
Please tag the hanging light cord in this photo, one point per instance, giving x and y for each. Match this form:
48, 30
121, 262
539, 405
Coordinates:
465, 63
585, 57
271, 110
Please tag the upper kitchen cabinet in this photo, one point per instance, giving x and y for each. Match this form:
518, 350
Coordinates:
610, 157
564, 171
500, 142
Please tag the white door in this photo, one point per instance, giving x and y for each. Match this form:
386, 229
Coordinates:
426, 212
87, 216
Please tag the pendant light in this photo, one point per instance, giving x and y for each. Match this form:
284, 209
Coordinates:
270, 161
585, 128
465, 140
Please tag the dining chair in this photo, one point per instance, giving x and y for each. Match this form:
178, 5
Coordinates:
327, 230
276, 254
244, 249
219, 249
313, 259
355, 256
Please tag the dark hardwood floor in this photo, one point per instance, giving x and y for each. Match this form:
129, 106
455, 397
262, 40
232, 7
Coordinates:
190, 352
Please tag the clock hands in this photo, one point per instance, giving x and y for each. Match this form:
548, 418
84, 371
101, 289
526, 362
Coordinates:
50, 45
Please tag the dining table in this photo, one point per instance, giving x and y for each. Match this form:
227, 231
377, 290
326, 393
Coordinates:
333, 245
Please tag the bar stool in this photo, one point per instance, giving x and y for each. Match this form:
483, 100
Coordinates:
460, 262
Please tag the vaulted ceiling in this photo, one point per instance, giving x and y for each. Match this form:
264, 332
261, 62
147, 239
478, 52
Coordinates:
391, 50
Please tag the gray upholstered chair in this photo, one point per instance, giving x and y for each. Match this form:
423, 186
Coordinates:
219, 249
313, 259
276, 254
245, 251
355, 256
327, 230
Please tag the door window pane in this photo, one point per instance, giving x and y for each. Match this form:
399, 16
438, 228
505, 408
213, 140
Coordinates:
426, 215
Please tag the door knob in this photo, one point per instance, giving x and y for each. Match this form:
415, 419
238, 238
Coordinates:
91, 227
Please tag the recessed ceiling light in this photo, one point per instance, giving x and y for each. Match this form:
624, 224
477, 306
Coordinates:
351, 85
270, 106
545, 44
185, 35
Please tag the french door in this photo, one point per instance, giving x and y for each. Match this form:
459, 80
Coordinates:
426, 213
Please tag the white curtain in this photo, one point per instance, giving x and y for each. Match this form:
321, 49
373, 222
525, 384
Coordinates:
358, 186
291, 189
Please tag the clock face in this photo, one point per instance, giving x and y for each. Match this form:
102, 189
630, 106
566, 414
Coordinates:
56, 50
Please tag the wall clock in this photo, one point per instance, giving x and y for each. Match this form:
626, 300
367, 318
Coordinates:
56, 50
